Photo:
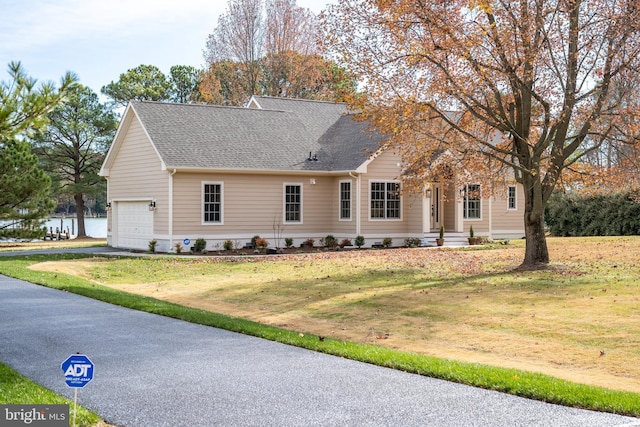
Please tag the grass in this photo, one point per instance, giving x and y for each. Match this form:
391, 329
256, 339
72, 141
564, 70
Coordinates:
16, 389
6, 246
402, 300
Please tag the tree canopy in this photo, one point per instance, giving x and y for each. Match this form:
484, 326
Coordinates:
142, 83
520, 85
148, 83
24, 103
24, 187
269, 48
74, 144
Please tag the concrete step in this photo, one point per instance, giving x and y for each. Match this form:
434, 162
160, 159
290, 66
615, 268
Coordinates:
450, 239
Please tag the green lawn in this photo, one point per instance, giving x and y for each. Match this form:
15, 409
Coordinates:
16, 389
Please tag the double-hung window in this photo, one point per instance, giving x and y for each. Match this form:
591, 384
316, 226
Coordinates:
212, 203
511, 198
292, 203
472, 202
345, 200
385, 200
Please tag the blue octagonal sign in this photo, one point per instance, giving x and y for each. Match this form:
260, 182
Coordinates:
78, 370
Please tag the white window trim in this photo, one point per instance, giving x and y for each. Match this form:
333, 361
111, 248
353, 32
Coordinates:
385, 181
221, 184
515, 198
284, 202
464, 208
350, 200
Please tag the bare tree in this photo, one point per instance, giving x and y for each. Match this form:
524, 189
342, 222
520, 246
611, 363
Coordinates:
239, 37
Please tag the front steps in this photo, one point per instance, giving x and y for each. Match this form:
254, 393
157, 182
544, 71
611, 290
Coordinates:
450, 239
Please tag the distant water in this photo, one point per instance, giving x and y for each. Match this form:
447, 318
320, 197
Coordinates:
95, 227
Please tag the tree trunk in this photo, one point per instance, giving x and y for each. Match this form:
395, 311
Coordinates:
536, 253
80, 215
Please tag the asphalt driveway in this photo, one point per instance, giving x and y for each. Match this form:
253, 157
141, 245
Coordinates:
155, 371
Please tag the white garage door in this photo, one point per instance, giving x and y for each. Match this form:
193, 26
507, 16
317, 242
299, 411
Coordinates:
134, 225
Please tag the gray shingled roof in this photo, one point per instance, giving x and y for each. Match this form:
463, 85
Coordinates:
214, 137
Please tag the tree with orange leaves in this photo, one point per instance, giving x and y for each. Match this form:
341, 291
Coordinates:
269, 48
523, 85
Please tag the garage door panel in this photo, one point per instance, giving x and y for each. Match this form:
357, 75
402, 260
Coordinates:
134, 225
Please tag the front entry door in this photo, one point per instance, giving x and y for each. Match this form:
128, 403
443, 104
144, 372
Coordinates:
436, 207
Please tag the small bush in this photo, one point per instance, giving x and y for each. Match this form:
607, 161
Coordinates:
227, 245
412, 242
254, 240
200, 245
309, 242
345, 242
471, 232
152, 245
178, 247
386, 242
359, 241
262, 243
329, 241
288, 242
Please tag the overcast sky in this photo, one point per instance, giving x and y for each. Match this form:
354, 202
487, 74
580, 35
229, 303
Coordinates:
100, 39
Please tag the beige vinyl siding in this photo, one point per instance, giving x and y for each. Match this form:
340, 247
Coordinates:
383, 168
413, 209
339, 227
251, 205
480, 226
508, 223
136, 174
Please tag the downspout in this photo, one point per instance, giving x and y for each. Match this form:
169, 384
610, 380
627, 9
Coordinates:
171, 209
491, 212
358, 182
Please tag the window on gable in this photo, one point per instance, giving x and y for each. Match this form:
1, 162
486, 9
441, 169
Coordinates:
511, 198
385, 200
212, 203
293, 203
471, 201
345, 200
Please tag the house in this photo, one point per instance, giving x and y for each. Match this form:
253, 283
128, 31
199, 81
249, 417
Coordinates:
278, 168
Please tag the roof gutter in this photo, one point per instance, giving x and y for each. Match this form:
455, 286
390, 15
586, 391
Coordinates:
258, 171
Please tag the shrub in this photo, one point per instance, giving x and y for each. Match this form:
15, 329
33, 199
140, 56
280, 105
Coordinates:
200, 245
227, 245
386, 242
442, 231
329, 241
262, 243
412, 242
309, 242
152, 245
345, 242
359, 241
471, 232
616, 214
178, 247
254, 240
288, 242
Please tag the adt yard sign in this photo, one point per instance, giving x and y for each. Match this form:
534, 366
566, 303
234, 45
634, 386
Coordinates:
78, 370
